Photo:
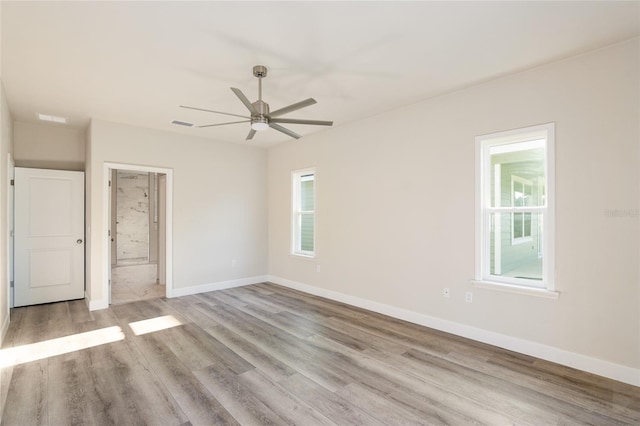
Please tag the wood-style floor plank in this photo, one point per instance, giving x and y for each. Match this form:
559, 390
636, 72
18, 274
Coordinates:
328, 403
264, 354
236, 397
386, 372
279, 345
254, 354
27, 396
287, 405
195, 400
382, 408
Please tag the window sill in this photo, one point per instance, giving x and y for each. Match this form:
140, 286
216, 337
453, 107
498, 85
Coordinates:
303, 256
507, 288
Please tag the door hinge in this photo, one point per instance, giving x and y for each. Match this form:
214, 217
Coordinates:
13, 182
109, 184
109, 234
11, 284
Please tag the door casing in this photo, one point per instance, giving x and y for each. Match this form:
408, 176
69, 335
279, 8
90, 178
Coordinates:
10, 215
165, 262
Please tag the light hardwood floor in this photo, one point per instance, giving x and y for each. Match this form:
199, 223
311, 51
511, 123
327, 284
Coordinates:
264, 354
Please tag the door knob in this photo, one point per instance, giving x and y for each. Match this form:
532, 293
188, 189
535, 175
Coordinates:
79, 241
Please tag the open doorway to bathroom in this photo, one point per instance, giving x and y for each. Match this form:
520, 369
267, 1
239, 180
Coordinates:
137, 237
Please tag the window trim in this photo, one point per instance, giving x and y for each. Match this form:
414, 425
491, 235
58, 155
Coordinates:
483, 198
296, 213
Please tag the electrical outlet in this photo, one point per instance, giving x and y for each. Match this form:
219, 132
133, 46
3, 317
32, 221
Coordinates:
233, 263
445, 292
468, 297
317, 268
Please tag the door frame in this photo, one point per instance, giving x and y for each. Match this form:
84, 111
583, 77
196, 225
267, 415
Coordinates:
168, 258
10, 231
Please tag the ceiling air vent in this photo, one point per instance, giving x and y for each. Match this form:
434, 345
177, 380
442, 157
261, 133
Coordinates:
182, 123
52, 118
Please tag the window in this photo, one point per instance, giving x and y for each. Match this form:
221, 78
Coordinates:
515, 208
304, 216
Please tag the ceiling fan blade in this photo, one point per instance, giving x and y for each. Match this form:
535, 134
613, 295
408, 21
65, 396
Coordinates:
250, 135
293, 107
285, 131
299, 121
217, 112
222, 124
245, 101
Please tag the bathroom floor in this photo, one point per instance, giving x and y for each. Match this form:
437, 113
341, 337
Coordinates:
130, 283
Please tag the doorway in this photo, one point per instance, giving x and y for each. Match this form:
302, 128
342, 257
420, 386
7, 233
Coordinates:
137, 235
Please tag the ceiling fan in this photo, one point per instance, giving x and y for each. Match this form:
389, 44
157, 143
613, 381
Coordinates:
261, 117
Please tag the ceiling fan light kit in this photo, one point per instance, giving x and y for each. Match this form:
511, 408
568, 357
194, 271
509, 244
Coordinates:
261, 118
259, 123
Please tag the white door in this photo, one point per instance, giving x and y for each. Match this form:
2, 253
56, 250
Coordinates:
49, 236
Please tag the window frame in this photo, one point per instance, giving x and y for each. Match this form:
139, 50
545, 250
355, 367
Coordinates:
297, 212
524, 238
483, 276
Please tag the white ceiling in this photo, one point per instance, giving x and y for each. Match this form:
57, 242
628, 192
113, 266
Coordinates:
136, 62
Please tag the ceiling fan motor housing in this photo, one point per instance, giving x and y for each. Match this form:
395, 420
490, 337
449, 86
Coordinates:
260, 71
262, 107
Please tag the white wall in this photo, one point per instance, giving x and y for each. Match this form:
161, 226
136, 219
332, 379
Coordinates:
6, 148
48, 146
395, 211
219, 205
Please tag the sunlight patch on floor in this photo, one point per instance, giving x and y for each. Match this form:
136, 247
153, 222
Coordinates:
62, 345
154, 324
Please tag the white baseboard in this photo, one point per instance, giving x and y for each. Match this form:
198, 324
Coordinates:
221, 285
600, 367
95, 305
5, 328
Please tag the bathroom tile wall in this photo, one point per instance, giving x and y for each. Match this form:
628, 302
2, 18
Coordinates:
132, 217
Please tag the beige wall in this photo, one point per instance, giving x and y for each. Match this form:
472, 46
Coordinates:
48, 146
5, 150
395, 207
219, 202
